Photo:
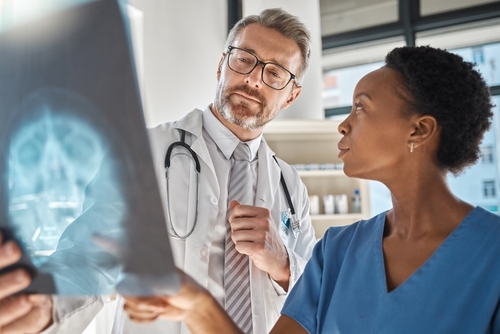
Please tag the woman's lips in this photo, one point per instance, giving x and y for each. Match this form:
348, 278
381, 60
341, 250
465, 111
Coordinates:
342, 152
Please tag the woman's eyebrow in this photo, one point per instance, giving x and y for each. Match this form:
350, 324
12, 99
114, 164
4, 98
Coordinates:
363, 94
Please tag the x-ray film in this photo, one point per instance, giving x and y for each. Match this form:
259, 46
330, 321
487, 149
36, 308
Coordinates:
79, 192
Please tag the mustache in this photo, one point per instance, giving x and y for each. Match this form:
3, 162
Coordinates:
248, 91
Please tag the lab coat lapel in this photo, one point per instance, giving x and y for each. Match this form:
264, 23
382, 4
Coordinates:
193, 123
268, 177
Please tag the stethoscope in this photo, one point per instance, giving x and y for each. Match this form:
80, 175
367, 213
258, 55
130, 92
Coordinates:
294, 222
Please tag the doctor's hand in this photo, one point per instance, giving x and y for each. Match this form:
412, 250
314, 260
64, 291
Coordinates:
20, 313
255, 234
193, 305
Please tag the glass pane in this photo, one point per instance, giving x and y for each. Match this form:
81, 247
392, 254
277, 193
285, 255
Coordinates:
347, 15
339, 84
429, 7
479, 185
463, 36
380, 198
487, 60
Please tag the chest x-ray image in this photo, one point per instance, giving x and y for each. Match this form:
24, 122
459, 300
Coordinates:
79, 191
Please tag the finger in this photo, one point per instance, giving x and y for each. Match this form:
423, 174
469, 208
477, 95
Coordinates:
251, 246
40, 300
248, 211
244, 223
233, 204
251, 223
141, 315
10, 253
13, 282
141, 320
172, 313
151, 304
13, 308
239, 236
36, 320
245, 248
244, 211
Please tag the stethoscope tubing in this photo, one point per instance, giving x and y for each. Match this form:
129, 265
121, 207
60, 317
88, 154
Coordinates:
173, 233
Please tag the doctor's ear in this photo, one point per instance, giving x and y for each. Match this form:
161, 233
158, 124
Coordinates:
219, 67
293, 96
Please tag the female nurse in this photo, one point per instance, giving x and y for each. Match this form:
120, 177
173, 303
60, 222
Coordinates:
431, 264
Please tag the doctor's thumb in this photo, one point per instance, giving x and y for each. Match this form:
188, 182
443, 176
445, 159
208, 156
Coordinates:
233, 204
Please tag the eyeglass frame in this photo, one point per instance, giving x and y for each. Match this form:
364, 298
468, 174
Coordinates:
260, 62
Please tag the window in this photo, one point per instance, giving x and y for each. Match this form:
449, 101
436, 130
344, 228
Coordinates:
339, 84
487, 60
487, 155
429, 7
489, 190
478, 184
469, 186
339, 16
470, 28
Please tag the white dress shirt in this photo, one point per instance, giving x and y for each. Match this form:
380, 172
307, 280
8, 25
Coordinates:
221, 143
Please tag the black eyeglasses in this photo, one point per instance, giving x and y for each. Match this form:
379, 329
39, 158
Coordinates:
273, 75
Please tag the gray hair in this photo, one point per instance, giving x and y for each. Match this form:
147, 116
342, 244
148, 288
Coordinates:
286, 24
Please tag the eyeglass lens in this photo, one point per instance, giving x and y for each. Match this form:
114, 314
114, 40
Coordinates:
244, 62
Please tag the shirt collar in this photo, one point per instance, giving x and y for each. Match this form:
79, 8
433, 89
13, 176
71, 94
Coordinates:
225, 140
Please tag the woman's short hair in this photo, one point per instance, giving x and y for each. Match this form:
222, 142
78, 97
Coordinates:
286, 24
445, 86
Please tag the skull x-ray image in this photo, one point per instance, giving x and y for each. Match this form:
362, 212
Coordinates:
65, 191
78, 184
54, 153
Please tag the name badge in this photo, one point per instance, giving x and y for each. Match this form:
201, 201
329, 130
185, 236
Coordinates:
285, 224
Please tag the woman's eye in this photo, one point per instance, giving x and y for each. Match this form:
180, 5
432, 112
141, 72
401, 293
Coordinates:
358, 106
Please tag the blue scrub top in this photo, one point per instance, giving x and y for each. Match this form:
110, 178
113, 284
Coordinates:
457, 290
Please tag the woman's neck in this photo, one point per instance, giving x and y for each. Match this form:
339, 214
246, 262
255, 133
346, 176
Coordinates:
424, 204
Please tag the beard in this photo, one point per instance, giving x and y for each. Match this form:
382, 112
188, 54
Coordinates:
240, 113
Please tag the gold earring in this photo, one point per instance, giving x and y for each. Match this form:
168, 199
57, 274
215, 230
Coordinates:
411, 148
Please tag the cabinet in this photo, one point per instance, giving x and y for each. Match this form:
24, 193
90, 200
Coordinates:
311, 146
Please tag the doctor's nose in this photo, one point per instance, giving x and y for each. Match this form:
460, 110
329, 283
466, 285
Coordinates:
254, 78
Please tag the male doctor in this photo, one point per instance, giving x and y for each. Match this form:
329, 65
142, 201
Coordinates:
258, 74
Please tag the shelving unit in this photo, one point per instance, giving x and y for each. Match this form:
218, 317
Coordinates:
314, 143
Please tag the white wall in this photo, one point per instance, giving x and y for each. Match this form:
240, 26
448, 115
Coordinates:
182, 43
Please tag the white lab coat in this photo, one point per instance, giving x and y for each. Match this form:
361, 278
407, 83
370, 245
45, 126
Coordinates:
192, 254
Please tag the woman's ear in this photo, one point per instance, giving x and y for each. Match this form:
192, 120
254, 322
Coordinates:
425, 131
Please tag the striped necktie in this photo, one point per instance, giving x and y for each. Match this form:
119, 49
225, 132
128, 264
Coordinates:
236, 265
